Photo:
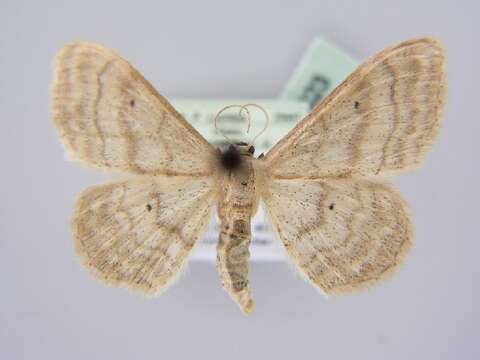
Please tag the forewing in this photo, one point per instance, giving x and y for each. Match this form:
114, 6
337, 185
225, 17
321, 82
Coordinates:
341, 234
138, 233
381, 119
109, 116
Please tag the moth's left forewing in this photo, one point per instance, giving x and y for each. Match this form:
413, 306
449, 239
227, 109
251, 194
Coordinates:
109, 116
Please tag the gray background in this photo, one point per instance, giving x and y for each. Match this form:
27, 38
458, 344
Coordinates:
50, 308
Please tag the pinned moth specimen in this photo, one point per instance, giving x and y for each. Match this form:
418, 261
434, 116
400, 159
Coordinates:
323, 185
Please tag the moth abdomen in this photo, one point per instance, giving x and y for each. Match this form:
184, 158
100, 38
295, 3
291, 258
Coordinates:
232, 260
237, 204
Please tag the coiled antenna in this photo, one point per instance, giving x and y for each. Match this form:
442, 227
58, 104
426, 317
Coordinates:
242, 109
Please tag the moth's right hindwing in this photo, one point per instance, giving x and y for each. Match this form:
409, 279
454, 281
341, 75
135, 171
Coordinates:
138, 233
342, 234
109, 116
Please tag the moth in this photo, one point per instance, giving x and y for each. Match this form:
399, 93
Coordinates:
324, 185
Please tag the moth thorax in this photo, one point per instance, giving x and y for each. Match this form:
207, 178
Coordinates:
231, 159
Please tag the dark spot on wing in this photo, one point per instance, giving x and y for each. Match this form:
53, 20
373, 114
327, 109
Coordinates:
149, 207
332, 205
357, 104
132, 103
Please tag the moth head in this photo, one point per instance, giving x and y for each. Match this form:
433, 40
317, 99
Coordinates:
244, 149
232, 158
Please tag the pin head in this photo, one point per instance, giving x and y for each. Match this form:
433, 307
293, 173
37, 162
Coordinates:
232, 158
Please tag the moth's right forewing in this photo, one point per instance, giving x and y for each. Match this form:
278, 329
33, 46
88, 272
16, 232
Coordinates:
109, 116
138, 233
381, 119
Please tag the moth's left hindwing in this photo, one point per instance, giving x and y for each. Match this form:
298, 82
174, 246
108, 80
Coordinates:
109, 116
138, 233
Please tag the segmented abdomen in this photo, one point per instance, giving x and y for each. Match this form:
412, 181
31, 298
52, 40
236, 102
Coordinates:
232, 258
